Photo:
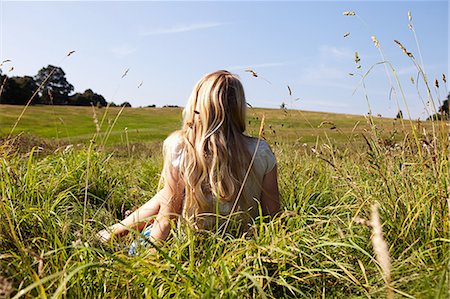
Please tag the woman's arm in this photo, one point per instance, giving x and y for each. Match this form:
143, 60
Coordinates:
165, 204
270, 196
170, 206
136, 220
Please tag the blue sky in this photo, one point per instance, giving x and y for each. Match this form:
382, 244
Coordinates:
168, 46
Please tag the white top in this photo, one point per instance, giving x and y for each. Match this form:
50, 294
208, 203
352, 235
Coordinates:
264, 162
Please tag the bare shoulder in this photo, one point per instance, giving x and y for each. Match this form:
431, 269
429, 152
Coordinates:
173, 139
173, 143
173, 148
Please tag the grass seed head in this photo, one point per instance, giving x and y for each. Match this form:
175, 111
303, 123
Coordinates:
254, 74
5, 61
50, 95
126, 72
6, 287
41, 264
94, 116
380, 247
443, 78
375, 41
349, 13
403, 48
362, 221
357, 59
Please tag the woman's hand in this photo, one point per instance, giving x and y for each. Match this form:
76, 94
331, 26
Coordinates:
104, 235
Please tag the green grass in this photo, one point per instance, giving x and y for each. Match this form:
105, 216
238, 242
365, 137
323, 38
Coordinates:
76, 124
72, 125
314, 249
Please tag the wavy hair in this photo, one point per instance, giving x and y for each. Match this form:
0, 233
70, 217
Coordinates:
214, 156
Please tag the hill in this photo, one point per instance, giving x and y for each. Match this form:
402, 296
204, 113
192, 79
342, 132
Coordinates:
68, 124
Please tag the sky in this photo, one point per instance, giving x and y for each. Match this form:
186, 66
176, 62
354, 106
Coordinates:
168, 46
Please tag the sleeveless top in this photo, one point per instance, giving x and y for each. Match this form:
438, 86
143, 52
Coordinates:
264, 162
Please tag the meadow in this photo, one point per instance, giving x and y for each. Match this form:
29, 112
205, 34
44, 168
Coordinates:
365, 209
116, 126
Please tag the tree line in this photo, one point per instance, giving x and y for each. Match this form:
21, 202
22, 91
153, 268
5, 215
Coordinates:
443, 112
48, 87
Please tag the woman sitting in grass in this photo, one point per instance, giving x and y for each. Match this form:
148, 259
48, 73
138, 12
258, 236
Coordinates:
212, 170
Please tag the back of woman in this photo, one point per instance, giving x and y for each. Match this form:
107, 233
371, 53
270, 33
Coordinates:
222, 168
212, 169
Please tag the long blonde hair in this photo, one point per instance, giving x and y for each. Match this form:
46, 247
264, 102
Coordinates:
214, 156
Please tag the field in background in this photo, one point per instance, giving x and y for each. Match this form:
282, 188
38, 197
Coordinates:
68, 124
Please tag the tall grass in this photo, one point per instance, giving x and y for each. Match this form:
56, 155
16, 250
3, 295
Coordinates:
314, 248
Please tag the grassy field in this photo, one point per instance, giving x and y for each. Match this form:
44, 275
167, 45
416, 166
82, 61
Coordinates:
76, 124
145, 125
331, 179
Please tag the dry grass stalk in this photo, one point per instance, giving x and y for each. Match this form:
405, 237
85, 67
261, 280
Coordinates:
50, 95
381, 249
2, 86
41, 265
94, 116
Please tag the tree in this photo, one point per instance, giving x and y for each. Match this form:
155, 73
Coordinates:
444, 109
18, 90
55, 89
125, 104
443, 112
399, 115
87, 98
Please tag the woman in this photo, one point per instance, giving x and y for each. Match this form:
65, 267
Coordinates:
212, 170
